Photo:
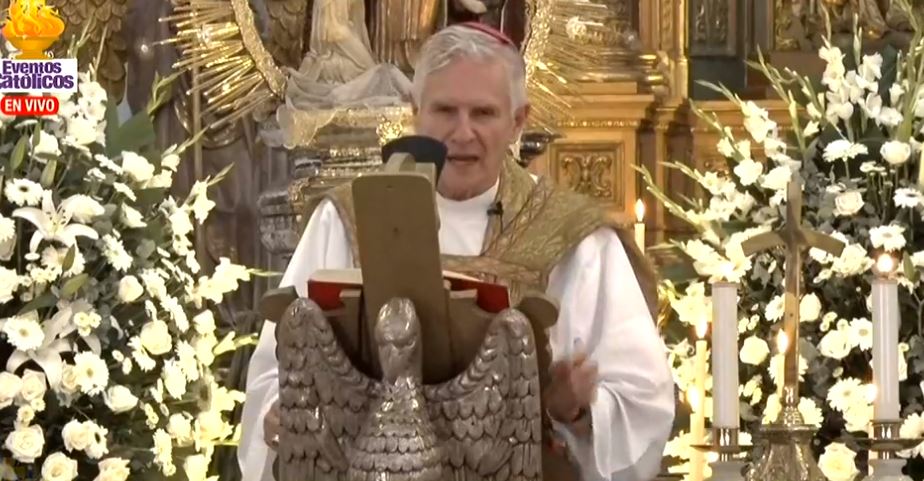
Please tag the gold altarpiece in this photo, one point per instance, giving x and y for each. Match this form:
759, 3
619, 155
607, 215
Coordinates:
643, 117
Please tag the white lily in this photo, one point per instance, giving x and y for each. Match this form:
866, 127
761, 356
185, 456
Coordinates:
53, 223
48, 355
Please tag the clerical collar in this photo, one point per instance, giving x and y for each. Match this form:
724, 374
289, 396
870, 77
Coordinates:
479, 204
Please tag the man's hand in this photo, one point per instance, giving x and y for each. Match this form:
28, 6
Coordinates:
271, 426
572, 387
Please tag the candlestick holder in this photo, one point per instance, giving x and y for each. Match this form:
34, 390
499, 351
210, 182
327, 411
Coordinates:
786, 454
887, 442
729, 466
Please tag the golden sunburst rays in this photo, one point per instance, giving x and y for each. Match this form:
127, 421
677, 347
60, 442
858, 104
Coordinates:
218, 40
559, 50
237, 76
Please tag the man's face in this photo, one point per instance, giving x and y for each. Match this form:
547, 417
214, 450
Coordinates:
466, 105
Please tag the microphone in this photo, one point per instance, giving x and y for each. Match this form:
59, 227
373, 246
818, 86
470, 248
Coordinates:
422, 148
497, 209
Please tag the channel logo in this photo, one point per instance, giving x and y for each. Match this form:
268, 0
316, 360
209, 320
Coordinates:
33, 27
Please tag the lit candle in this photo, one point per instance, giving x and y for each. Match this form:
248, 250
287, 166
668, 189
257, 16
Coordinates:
886, 319
782, 344
698, 403
725, 355
639, 224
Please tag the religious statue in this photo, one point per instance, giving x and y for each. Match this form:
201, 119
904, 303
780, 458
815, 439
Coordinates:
400, 27
338, 72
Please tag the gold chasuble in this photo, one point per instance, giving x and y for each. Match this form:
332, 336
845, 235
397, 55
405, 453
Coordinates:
536, 225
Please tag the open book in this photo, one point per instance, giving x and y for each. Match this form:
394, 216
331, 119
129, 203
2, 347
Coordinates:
326, 285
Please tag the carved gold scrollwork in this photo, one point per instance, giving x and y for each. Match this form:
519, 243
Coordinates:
589, 174
594, 169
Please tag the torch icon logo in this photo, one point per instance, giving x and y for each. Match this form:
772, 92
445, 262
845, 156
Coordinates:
32, 27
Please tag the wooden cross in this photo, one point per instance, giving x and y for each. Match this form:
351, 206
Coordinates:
796, 239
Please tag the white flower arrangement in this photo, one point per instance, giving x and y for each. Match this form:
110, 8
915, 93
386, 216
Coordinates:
856, 145
107, 336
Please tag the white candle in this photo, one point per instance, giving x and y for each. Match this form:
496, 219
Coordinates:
725, 355
886, 321
640, 224
698, 403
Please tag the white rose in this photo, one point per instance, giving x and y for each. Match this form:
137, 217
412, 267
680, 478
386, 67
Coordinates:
835, 344
853, 260
26, 443
76, 435
137, 167
858, 417
33, 386
59, 467
838, 462
69, 379
130, 289
895, 152
748, 171
754, 351
10, 385
155, 337
120, 399
848, 203
180, 429
196, 467
113, 469
809, 308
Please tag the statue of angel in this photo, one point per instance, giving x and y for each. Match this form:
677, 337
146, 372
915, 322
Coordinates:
340, 424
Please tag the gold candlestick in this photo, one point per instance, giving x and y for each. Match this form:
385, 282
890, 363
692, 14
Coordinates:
787, 455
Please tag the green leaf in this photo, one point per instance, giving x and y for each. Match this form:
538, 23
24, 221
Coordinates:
45, 300
136, 133
74, 284
48, 174
908, 266
69, 258
19, 153
151, 196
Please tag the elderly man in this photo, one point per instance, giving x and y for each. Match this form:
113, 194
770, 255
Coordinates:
610, 394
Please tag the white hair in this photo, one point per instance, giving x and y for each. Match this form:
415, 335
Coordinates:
457, 41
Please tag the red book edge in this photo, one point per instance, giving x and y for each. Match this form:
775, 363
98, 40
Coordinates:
325, 288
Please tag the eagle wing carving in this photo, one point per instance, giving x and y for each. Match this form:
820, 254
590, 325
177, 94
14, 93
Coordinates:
489, 417
323, 399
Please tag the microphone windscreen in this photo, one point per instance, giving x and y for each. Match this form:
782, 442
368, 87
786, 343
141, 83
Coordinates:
424, 150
